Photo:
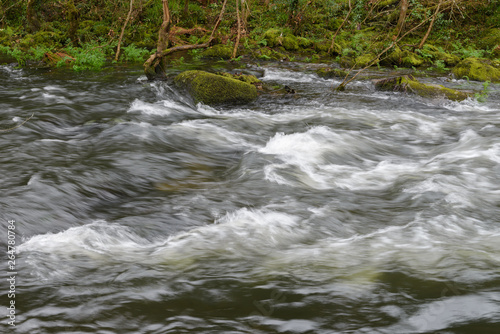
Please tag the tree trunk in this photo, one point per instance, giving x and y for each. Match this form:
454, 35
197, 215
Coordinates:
164, 29
402, 16
154, 67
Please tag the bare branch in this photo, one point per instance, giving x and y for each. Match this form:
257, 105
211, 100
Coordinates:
19, 125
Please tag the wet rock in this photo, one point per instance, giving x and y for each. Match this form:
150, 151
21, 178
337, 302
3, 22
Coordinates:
329, 73
403, 58
213, 89
478, 69
364, 60
409, 84
218, 51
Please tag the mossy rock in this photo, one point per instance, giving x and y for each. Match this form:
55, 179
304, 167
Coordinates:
305, 43
213, 89
403, 58
248, 78
273, 37
268, 54
218, 51
478, 69
329, 73
364, 60
322, 46
409, 84
290, 43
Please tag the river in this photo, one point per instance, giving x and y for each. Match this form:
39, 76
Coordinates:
137, 211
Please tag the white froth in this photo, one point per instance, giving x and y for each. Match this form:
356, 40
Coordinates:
286, 76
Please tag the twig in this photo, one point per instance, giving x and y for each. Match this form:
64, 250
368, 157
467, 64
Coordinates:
19, 125
235, 49
336, 32
344, 83
430, 25
123, 30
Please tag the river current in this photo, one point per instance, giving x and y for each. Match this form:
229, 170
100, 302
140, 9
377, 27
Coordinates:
137, 211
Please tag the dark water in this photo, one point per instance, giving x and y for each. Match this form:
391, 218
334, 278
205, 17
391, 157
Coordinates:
139, 212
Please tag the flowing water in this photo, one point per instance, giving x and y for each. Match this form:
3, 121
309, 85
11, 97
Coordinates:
137, 211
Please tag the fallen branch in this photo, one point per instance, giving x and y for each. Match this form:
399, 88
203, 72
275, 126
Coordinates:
19, 125
344, 83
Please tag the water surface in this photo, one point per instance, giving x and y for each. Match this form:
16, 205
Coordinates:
138, 211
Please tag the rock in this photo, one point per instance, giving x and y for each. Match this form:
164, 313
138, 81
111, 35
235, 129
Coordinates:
329, 73
273, 37
408, 83
213, 89
403, 58
478, 69
290, 43
305, 43
365, 60
218, 51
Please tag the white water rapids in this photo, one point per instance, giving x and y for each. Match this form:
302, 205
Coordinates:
358, 212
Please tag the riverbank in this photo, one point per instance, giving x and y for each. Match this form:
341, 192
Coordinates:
363, 34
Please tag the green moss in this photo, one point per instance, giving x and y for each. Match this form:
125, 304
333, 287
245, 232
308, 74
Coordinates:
273, 37
215, 89
290, 43
248, 78
386, 3
409, 84
433, 54
478, 69
411, 59
304, 43
364, 60
491, 40
403, 58
328, 73
218, 51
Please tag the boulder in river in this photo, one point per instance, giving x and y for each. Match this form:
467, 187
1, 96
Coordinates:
478, 69
213, 89
407, 83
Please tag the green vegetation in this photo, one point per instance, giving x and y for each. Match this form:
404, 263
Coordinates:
88, 31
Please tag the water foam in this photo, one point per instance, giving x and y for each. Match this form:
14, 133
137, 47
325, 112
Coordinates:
279, 75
